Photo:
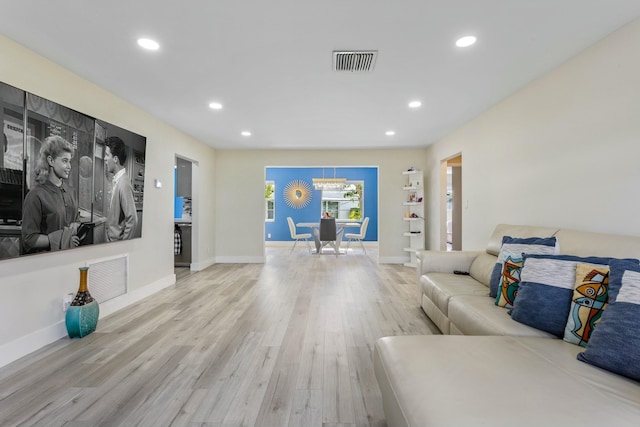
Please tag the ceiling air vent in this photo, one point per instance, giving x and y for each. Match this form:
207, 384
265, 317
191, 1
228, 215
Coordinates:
353, 61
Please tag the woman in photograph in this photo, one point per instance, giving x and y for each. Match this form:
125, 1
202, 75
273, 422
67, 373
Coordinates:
50, 210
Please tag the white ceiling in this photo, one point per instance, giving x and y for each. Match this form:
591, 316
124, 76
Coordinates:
270, 62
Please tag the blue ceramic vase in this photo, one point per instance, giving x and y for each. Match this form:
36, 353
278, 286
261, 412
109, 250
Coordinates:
82, 315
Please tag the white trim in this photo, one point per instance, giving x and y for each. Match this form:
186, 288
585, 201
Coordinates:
279, 243
24, 345
198, 266
393, 260
129, 298
240, 260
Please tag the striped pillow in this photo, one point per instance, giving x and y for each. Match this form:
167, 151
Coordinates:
615, 343
546, 288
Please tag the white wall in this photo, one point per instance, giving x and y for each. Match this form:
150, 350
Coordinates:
564, 151
31, 287
240, 191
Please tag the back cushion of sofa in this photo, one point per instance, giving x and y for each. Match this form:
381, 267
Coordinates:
482, 267
582, 243
518, 231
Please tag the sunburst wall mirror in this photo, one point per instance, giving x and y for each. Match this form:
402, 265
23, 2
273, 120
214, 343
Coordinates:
297, 194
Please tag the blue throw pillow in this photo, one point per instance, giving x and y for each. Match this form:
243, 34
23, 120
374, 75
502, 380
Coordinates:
515, 247
615, 344
494, 282
546, 289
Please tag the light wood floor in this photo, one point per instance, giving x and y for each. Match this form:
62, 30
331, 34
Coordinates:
285, 343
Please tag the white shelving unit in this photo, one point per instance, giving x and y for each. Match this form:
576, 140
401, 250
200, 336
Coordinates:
413, 214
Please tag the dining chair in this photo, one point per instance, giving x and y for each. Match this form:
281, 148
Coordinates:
327, 233
297, 236
358, 237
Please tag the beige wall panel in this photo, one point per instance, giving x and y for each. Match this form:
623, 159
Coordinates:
561, 152
240, 191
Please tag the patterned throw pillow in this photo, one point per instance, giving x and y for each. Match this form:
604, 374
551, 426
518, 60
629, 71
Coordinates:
590, 298
513, 248
615, 343
509, 280
546, 288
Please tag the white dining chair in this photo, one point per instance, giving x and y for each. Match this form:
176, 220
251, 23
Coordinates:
297, 236
358, 237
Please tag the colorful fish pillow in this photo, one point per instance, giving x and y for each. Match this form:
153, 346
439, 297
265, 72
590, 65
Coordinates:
590, 298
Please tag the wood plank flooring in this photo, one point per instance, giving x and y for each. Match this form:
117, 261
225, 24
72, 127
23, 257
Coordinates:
285, 343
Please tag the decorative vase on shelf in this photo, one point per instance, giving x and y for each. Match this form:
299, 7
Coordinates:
82, 315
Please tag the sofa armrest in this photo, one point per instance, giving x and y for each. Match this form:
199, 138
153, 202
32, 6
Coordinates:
444, 262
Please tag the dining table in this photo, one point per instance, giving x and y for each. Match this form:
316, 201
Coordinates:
315, 231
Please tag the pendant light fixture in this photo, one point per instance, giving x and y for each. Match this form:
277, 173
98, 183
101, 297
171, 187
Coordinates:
328, 183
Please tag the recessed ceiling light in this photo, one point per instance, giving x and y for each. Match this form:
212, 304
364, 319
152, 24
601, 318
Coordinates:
465, 41
415, 104
390, 133
215, 106
148, 44
245, 133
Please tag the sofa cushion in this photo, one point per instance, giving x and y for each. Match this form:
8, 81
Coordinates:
435, 315
512, 249
615, 343
546, 288
501, 230
582, 243
590, 298
439, 287
482, 268
440, 381
478, 315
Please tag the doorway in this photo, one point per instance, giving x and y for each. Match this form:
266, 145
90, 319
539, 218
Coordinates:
183, 217
352, 199
451, 203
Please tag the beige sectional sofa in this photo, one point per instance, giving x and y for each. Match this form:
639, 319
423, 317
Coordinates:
506, 373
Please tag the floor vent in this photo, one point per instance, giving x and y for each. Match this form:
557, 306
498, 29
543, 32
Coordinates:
107, 278
354, 61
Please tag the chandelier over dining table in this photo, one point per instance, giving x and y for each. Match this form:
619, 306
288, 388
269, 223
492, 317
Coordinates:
328, 183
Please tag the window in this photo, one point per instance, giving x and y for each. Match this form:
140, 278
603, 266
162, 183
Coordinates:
345, 202
269, 201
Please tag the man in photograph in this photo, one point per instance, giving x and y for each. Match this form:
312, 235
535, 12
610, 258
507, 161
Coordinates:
122, 218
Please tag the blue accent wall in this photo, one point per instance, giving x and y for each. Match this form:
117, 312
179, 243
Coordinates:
279, 228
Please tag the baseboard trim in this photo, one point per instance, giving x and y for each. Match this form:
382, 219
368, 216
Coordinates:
240, 260
111, 306
27, 344
198, 266
16, 349
392, 260
281, 243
